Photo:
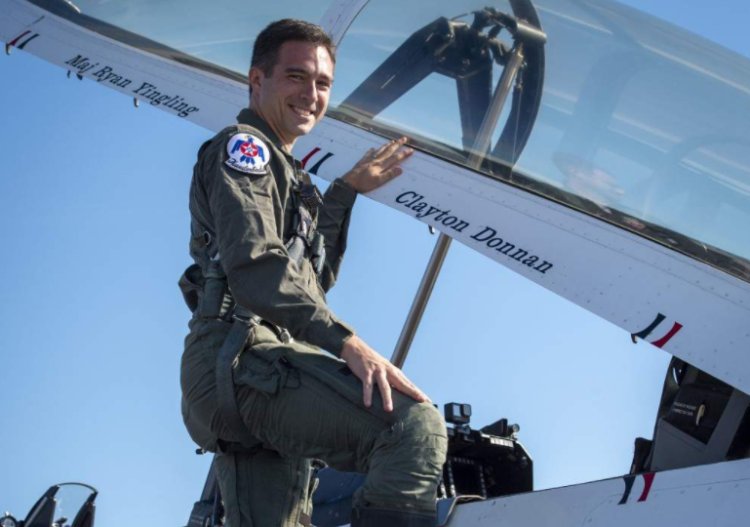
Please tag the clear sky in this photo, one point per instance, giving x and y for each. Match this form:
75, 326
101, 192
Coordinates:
93, 198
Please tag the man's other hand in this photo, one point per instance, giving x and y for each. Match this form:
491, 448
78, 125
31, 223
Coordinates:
372, 368
378, 166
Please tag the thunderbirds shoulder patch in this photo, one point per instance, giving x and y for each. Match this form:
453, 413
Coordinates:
248, 154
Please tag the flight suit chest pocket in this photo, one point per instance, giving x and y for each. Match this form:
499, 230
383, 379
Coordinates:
266, 371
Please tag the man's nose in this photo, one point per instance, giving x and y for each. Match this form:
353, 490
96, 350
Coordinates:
310, 91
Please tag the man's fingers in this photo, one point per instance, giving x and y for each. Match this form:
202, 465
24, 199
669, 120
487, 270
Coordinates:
370, 367
389, 148
397, 158
392, 149
393, 146
404, 385
367, 389
382, 148
385, 390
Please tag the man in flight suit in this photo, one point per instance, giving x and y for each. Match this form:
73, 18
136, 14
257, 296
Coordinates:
266, 247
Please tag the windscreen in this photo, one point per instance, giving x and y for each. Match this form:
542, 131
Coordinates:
636, 122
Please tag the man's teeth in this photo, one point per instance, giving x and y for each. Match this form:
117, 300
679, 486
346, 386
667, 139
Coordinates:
302, 111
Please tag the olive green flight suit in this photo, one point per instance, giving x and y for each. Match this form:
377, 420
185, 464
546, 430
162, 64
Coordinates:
297, 401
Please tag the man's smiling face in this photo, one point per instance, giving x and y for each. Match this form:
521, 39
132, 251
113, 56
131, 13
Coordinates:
294, 97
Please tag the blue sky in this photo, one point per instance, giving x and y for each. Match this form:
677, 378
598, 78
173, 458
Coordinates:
93, 197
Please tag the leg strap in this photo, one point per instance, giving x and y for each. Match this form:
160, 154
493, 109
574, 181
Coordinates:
226, 360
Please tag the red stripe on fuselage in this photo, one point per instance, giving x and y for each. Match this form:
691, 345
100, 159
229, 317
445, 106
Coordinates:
19, 37
308, 156
662, 341
648, 479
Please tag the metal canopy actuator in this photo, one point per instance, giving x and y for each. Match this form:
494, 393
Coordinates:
466, 53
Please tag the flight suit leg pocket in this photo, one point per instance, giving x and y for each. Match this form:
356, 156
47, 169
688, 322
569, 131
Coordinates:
265, 370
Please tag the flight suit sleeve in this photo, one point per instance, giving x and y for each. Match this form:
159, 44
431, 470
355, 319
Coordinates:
248, 215
333, 224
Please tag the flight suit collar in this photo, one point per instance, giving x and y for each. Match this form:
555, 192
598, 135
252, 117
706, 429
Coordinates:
251, 118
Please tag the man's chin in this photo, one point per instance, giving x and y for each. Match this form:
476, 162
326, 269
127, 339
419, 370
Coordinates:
304, 128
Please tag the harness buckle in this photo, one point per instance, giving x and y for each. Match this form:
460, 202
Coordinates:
245, 316
285, 336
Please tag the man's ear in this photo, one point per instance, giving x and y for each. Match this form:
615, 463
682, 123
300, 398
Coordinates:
254, 77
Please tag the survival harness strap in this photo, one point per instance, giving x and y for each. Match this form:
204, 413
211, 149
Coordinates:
227, 359
208, 297
305, 238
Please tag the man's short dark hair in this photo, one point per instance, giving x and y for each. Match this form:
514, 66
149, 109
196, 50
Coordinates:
269, 41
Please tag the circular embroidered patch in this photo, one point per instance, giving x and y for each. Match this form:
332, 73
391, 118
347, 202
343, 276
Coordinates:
248, 154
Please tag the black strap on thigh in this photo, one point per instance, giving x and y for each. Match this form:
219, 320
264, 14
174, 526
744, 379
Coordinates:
226, 361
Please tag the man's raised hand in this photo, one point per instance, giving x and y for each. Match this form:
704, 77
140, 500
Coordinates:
378, 166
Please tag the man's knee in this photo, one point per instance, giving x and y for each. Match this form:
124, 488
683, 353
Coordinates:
405, 470
424, 428
422, 417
